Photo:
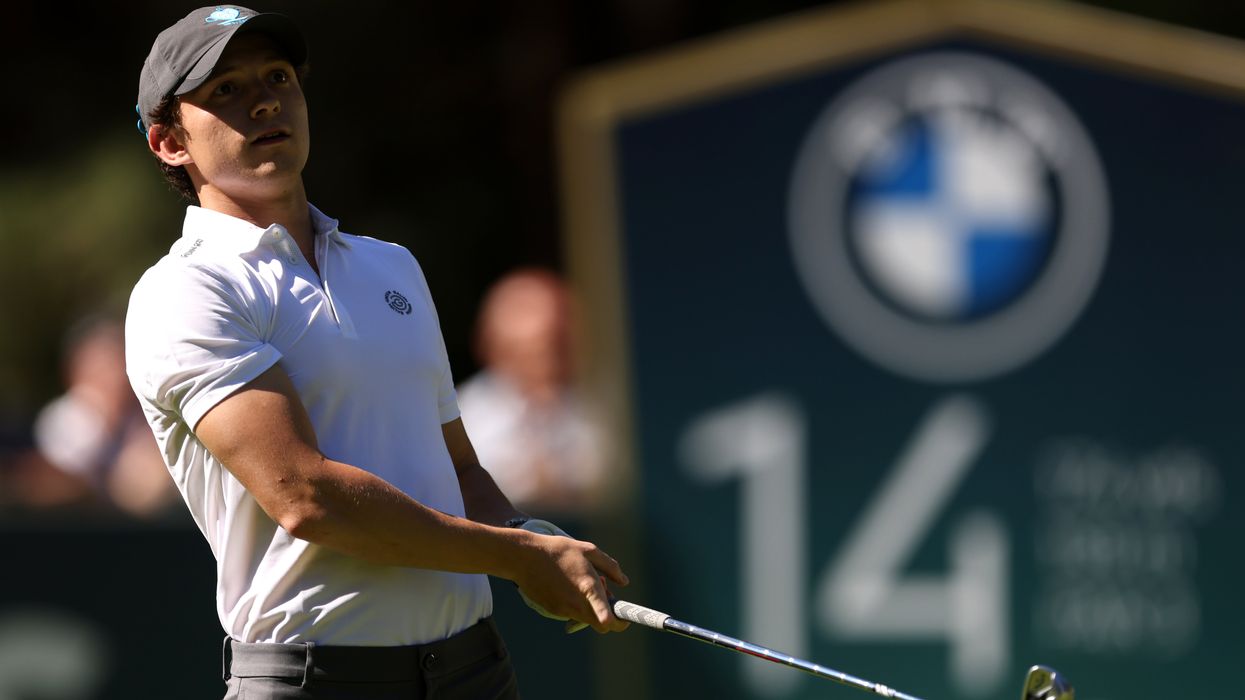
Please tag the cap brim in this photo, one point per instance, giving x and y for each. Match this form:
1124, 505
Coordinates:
279, 27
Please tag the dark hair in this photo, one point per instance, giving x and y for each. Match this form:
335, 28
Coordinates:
168, 115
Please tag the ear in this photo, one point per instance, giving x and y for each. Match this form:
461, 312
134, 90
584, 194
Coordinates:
169, 145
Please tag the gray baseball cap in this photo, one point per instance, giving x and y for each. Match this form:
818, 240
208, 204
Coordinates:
183, 56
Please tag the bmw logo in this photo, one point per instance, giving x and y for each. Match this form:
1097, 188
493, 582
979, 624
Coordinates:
948, 217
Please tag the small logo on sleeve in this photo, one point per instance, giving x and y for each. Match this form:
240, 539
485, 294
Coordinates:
193, 247
397, 302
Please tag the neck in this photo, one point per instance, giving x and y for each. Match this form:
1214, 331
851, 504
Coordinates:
288, 209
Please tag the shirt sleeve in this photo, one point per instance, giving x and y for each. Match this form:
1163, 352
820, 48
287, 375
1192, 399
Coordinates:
447, 396
194, 336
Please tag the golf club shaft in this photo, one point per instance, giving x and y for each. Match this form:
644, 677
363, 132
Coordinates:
661, 621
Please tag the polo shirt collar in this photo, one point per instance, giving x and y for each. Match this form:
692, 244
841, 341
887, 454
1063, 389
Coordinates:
326, 226
229, 234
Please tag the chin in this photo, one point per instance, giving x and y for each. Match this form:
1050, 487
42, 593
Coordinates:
277, 173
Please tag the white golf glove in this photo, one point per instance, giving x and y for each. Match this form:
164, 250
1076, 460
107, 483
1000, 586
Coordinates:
544, 527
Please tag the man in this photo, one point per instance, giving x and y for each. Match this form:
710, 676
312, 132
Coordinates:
92, 445
297, 383
536, 435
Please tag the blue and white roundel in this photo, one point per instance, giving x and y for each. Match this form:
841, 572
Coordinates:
950, 215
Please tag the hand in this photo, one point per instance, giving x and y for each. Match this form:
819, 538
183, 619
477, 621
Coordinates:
544, 527
574, 590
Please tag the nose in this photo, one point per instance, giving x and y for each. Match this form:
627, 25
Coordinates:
266, 102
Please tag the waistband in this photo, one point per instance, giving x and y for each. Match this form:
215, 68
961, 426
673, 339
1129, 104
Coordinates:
310, 661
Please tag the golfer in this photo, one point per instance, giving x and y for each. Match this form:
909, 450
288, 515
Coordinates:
298, 386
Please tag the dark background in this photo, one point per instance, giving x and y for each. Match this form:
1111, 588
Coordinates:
432, 125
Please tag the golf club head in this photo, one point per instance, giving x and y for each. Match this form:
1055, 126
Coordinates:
1045, 683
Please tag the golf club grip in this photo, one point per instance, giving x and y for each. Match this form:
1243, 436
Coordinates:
640, 615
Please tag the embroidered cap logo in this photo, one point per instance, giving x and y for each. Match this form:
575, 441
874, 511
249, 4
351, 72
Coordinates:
226, 16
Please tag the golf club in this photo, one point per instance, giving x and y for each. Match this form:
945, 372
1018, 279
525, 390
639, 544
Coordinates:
1045, 683
1041, 683
661, 621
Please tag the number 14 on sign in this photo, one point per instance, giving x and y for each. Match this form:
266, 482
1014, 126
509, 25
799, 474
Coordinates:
863, 593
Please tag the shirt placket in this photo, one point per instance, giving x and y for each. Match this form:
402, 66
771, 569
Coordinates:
324, 254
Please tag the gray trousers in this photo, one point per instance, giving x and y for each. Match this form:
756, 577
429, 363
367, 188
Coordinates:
473, 664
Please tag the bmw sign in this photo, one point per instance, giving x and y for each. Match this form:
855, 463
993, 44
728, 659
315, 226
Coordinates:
949, 217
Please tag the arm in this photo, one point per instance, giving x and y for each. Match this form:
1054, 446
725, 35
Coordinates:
484, 500
263, 435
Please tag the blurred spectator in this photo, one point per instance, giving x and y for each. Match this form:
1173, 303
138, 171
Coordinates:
91, 444
531, 429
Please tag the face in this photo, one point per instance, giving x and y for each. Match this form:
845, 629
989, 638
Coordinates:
527, 335
244, 131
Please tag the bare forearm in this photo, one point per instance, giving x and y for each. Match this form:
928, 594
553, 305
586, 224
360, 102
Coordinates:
484, 501
357, 513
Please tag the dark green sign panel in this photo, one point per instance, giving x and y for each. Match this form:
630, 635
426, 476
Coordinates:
934, 359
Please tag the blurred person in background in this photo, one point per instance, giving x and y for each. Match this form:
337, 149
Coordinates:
92, 446
296, 378
533, 431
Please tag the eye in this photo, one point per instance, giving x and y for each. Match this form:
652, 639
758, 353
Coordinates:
280, 76
225, 88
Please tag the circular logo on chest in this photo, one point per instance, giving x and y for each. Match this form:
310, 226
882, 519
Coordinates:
397, 302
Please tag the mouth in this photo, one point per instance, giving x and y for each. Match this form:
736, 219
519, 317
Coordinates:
270, 137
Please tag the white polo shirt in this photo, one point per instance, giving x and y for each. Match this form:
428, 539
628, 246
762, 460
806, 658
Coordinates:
362, 344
